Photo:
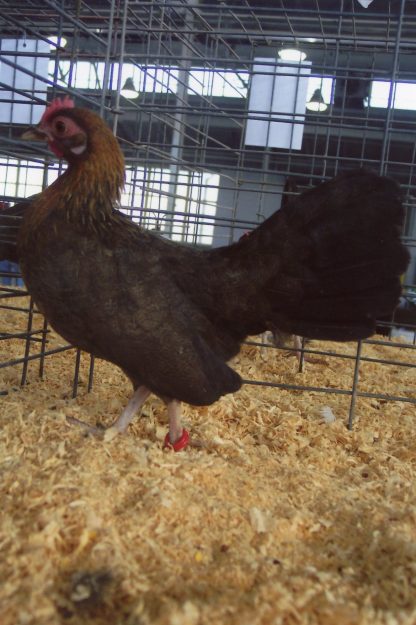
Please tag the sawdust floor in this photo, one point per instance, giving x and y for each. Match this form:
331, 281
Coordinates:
279, 518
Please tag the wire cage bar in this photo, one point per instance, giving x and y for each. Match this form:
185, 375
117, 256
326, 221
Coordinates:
192, 90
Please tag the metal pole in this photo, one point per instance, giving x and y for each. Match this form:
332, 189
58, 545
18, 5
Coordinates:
27, 343
389, 110
107, 58
120, 64
355, 385
179, 120
76, 374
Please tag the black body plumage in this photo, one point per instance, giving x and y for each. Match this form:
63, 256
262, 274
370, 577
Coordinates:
325, 266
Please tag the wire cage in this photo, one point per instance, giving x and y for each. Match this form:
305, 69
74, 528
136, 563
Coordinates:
216, 106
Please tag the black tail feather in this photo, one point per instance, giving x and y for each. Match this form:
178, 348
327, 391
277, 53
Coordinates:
334, 258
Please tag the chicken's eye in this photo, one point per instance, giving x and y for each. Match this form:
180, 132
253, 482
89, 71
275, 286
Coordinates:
60, 126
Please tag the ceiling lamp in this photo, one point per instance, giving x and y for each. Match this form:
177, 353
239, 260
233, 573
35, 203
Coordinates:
317, 103
365, 3
59, 42
293, 55
129, 91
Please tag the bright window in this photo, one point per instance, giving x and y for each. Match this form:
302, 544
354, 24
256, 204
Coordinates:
21, 178
153, 79
180, 205
185, 212
403, 95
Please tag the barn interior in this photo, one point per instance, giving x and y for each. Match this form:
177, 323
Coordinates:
295, 504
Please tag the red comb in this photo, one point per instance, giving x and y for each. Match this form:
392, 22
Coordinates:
57, 104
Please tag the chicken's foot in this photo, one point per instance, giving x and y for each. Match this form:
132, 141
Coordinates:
120, 425
95, 430
177, 438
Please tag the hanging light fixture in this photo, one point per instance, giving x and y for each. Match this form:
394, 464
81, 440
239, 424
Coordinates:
59, 42
293, 55
317, 103
128, 90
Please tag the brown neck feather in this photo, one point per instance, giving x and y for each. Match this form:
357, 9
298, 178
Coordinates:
87, 192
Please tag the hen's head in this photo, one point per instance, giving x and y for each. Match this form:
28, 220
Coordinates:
73, 133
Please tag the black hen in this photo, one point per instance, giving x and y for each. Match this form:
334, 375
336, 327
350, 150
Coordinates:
324, 267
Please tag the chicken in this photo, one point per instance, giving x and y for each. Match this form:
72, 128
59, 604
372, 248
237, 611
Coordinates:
171, 316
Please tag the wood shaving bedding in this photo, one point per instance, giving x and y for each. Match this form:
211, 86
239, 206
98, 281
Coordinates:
280, 517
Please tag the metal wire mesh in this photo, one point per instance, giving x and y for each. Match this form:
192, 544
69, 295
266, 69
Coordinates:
207, 78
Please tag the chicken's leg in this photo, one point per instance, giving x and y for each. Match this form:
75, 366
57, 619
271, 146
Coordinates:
136, 402
177, 438
298, 344
120, 425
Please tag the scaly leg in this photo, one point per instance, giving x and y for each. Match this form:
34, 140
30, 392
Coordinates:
136, 402
174, 416
120, 425
177, 438
297, 343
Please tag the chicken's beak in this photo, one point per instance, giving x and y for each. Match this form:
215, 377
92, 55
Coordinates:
34, 133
